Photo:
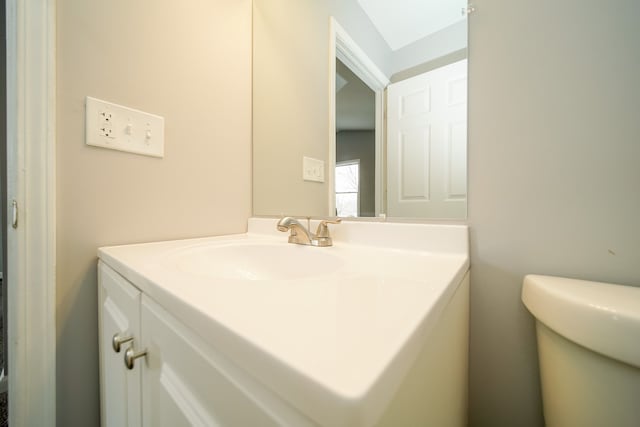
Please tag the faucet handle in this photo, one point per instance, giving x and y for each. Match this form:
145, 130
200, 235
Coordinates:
323, 230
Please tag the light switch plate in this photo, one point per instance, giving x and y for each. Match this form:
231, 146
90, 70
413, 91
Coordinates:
312, 169
121, 128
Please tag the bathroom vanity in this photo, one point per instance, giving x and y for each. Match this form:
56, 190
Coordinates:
249, 330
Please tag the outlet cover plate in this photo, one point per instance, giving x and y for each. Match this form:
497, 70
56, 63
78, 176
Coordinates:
312, 169
122, 128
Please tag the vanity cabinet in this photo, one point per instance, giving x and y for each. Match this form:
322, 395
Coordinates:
120, 388
229, 334
181, 380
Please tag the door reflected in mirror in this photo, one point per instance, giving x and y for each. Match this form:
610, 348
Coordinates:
427, 144
390, 129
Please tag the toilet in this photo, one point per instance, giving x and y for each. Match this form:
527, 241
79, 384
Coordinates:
588, 350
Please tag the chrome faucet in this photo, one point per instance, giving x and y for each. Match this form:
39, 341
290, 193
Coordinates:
300, 235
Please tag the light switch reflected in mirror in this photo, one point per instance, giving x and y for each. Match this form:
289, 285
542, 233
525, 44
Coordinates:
370, 83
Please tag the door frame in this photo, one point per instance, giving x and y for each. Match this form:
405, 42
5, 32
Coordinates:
344, 48
31, 182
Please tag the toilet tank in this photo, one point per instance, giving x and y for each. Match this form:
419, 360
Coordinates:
588, 350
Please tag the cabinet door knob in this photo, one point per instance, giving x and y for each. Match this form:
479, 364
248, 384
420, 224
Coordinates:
118, 340
130, 357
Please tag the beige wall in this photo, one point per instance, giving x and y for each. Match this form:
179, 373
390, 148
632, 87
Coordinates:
189, 62
290, 116
554, 175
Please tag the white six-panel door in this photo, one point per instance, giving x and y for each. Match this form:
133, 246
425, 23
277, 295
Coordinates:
427, 144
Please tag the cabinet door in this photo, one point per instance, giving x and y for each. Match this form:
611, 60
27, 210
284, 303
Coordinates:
187, 383
119, 314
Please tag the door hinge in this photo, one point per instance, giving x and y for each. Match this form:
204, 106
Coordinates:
14, 210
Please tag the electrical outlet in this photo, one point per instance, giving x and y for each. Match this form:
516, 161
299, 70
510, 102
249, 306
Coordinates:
121, 128
106, 131
106, 116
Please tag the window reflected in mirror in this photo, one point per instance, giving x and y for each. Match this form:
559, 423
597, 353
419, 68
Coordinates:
348, 189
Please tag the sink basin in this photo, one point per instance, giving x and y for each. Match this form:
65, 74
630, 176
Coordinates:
257, 261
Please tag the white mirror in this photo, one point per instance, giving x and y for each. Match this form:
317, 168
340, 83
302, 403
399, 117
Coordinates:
372, 94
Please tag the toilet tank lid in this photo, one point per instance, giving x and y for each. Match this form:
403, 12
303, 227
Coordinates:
603, 317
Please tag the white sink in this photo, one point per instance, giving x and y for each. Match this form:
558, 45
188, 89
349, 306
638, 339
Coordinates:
251, 260
332, 330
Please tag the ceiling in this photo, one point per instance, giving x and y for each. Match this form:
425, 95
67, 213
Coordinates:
401, 22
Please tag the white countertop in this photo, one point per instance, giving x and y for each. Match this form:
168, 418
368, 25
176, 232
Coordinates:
336, 344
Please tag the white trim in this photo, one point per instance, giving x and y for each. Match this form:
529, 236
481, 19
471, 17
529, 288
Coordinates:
354, 57
31, 182
331, 163
343, 47
381, 133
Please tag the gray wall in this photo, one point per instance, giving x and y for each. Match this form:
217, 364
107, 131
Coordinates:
352, 145
441, 61
355, 102
554, 175
189, 62
442, 43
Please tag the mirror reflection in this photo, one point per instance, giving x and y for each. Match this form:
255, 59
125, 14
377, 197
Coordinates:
355, 145
359, 108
